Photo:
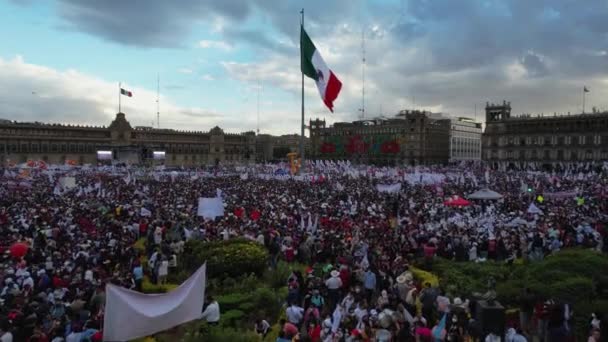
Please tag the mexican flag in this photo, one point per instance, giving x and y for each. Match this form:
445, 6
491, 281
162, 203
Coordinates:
313, 66
126, 92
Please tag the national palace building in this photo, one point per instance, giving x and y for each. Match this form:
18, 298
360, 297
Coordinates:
544, 139
120, 142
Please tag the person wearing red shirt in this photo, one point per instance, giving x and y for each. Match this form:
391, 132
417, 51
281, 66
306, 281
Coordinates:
58, 282
429, 254
143, 227
314, 331
289, 329
492, 248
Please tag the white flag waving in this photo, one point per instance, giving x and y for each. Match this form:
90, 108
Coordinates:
130, 314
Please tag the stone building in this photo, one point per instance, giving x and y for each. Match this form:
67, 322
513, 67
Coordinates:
544, 139
57, 143
410, 137
272, 147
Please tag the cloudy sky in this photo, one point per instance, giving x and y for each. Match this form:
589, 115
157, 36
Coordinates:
62, 60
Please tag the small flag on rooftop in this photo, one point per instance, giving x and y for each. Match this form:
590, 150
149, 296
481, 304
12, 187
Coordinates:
126, 92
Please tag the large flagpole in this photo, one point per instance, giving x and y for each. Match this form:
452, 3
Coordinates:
119, 87
584, 91
302, 160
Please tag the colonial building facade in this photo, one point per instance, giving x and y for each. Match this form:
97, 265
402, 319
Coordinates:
272, 147
411, 137
544, 139
56, 144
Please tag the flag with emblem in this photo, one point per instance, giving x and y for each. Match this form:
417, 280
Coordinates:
126, 92
313, 66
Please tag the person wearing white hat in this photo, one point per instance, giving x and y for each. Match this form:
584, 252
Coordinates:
334, 284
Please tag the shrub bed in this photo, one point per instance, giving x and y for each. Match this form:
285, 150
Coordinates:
231, 258
574, 276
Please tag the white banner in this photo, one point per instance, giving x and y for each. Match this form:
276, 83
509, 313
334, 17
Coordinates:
424, 178
145, 212
210, 208
390, 188
67, 182
130, 315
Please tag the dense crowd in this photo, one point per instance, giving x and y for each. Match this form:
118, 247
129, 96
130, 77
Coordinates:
358, 241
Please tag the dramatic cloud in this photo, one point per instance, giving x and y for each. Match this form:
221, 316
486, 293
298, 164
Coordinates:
442, 55
454, 56
37, 93
147, 23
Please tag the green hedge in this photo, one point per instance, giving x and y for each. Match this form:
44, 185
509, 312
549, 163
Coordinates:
149, 287
231, 258
575, 276
220, 334
261, 302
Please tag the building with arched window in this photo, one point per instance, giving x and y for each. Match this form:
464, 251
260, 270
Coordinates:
410, 137
59, 143
544, 139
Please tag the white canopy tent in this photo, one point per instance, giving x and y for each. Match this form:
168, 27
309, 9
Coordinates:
533, 209
485, 194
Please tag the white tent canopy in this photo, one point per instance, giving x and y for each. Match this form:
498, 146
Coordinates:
485, 194
533, 209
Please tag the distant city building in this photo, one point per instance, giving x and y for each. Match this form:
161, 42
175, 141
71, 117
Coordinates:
119, 142
271, 147
465, 139
544, 139
411, 137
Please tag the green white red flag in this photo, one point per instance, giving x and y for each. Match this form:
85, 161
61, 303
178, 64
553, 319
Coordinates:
313, 66
126, 92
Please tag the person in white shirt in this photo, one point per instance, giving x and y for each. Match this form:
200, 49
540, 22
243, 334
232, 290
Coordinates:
6, 337
294, 314
334, 283
88, 275
5, 334
158, 235
514, 336
74, 336
212, 312
492, 338
163, 271
262, 327
348, 302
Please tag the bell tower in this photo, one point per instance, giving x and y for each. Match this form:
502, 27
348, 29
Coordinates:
498, 112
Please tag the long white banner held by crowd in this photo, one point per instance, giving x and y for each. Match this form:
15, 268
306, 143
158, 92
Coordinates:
130, 314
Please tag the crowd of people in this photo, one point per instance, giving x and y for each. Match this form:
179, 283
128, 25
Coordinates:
76, 229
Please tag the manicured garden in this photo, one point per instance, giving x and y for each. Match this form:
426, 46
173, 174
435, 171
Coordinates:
576, 276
